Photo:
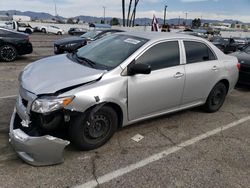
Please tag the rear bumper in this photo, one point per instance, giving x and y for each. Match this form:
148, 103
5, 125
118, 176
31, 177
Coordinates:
35, 150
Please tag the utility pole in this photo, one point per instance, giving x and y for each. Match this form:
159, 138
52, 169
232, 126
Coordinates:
104, 8
165, 14
186, 17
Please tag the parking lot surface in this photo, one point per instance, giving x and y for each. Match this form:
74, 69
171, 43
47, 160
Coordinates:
221, 159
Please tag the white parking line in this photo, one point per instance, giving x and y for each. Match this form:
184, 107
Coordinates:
8, 97
117, 173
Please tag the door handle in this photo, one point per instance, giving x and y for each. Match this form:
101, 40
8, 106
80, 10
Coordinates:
178, 75
215, 68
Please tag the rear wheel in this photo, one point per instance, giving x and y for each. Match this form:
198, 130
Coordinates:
8, 53
28, 31
59, 33
88, 132
216, 98
43, 30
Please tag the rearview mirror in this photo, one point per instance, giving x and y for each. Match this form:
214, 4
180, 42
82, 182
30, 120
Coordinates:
139, 69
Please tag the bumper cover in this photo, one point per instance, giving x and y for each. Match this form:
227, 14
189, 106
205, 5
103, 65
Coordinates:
37, 151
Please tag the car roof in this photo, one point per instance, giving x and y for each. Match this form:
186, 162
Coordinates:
160, 35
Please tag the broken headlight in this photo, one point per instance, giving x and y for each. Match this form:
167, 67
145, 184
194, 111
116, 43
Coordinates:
50, 104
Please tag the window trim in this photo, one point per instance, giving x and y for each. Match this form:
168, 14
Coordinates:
158, 42
190, 40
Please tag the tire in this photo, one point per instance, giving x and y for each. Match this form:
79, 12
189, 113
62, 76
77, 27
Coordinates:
59, 33
28, 31
8, 53
216, 98
43, 30
88, 134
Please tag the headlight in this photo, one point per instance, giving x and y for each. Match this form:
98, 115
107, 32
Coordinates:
45, 105
70, 45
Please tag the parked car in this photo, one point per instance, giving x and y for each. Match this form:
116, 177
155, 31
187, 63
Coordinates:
76, 31
226, 45
18, 26
13, 44
52, 29
241, 42
71, 44
244, 60
113, 82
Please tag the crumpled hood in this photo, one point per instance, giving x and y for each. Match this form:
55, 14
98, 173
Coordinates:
48, 75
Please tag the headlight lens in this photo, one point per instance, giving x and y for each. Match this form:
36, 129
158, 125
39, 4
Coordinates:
45, 105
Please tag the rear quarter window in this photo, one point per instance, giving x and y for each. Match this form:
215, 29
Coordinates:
198, 52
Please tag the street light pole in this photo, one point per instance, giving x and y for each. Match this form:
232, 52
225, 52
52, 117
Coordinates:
104, 13
55, 8
165, 14
186, 17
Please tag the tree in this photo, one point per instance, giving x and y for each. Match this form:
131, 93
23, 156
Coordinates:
129, 8
77, 20
123, 12
196, 23
130, 17
70, 21
114, 21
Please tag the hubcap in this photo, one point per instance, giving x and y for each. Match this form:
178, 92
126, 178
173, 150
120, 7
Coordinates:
98, 127
8, 53
217, 97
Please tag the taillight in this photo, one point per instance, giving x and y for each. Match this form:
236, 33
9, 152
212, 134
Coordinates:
238, 66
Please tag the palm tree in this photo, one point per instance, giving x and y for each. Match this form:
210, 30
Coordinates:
129, 8
132, 20
123, 12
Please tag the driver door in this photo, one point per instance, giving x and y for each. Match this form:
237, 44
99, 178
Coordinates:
162, 89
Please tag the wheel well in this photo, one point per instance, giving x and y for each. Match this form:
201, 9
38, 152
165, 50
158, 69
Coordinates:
118, 110
6, 43
226, 82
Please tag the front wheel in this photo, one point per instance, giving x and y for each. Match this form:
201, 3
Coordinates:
93, 129
216, 98
59, 33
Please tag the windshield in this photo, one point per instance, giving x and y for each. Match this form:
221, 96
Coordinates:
90, 34
111, 51
247, 49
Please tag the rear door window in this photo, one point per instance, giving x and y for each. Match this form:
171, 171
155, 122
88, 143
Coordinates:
198, 52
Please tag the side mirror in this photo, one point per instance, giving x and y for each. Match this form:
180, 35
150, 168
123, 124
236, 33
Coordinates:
139, 69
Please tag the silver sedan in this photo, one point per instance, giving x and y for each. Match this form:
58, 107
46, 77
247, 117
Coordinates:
113, 82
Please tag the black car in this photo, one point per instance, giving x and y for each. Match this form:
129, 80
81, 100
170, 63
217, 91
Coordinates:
71, 44
76, 31
227, 45
244, 60
13, 44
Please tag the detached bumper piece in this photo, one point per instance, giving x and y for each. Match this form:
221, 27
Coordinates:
36, 150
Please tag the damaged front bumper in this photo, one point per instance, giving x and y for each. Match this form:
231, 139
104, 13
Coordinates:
35, 150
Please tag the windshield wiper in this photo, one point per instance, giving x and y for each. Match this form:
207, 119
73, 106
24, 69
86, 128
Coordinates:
86, 60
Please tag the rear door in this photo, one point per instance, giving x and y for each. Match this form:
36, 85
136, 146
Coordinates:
161, 90
202, 71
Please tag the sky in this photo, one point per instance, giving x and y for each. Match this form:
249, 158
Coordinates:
205, 9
